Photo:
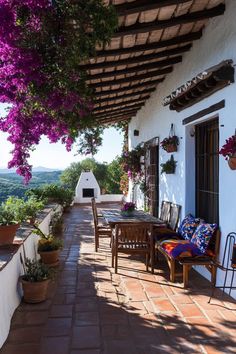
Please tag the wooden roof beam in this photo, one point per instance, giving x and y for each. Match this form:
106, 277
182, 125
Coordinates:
125, 95
174, 21
126, 88
137, 6
136, 77
151, 46
113, 105
138, 59
150, 66
118, 115
120, 108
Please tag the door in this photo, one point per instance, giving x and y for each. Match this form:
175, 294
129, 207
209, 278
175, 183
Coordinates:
152, 178
207, 170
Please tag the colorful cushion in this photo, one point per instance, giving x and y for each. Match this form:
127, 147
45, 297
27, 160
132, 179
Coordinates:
202, 236
180, 248
188, 227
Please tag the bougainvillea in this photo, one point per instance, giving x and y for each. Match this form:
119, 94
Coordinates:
42, 44
131, 163
229, 148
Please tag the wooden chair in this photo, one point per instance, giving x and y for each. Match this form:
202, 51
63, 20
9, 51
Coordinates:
169, 230
133, 238
94, 206
165, 211
99, 230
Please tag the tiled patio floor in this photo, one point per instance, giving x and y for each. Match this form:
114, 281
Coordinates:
91, 310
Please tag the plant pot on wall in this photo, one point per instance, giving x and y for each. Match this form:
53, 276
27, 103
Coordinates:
7, 233
50, 258
169, 166
171, 148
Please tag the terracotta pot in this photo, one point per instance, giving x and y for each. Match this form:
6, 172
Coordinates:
171, 148
7, 233
50, 258
34, 292
232, 162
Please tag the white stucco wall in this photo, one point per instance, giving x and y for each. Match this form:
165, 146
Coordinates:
10, 289
218, 43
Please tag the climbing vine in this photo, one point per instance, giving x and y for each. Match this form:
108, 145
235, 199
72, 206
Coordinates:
42, 46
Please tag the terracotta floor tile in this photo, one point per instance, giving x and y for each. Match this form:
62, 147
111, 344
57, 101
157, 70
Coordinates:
190, 310
61, 311
20, 349
57, 345
57, 327
163, 305
86, 337
92, 310
86, 319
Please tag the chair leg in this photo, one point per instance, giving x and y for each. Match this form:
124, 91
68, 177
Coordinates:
112, 256
96, 242
116, 260
147, 261
172, 270
151, 257
186, 269
213, 274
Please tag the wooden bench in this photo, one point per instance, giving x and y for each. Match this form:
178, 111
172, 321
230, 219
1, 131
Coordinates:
208, 260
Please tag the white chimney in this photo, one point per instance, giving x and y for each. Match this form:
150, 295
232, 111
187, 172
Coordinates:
87, 187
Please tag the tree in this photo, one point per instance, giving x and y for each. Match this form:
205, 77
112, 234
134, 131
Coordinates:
115, 172
107, 175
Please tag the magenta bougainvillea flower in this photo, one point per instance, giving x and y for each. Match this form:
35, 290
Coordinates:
42, 44
229, 148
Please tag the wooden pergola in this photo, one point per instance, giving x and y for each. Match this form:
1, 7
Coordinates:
151, 38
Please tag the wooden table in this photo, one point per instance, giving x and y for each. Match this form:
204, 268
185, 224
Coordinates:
113, 217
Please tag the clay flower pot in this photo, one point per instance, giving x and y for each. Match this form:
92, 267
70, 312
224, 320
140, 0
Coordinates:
7, 233
34, 292
171, 148
50, 258
232, 162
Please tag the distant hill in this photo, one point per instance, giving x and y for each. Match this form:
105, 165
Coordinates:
12, 184
35, 169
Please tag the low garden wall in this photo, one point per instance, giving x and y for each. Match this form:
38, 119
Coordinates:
25, 243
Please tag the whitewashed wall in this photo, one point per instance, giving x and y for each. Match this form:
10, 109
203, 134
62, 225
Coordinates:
10, 289
218, 43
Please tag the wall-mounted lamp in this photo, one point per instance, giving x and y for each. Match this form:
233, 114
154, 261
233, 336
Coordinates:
136, 132
192, 131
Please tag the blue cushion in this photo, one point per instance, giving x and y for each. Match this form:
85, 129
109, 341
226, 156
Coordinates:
203, 235
188, 226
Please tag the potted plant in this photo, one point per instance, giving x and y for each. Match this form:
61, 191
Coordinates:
11, 215
48, 247
170, 144
131, 163
228, 150
35, 281
31, 207
169, 166
128, 209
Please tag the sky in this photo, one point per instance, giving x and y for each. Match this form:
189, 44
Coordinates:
56, 156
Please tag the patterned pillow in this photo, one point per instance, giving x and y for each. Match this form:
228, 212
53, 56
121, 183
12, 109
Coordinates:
202, 236
188, 226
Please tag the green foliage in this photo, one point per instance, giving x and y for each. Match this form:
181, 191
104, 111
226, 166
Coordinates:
31, 206
12, 211
115, 172
53, 193
56, 223
169, 166
35, 271
47, 243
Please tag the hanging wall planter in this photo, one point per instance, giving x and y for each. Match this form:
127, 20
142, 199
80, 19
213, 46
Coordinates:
232, 162
170, 143
169, 166
228, 150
